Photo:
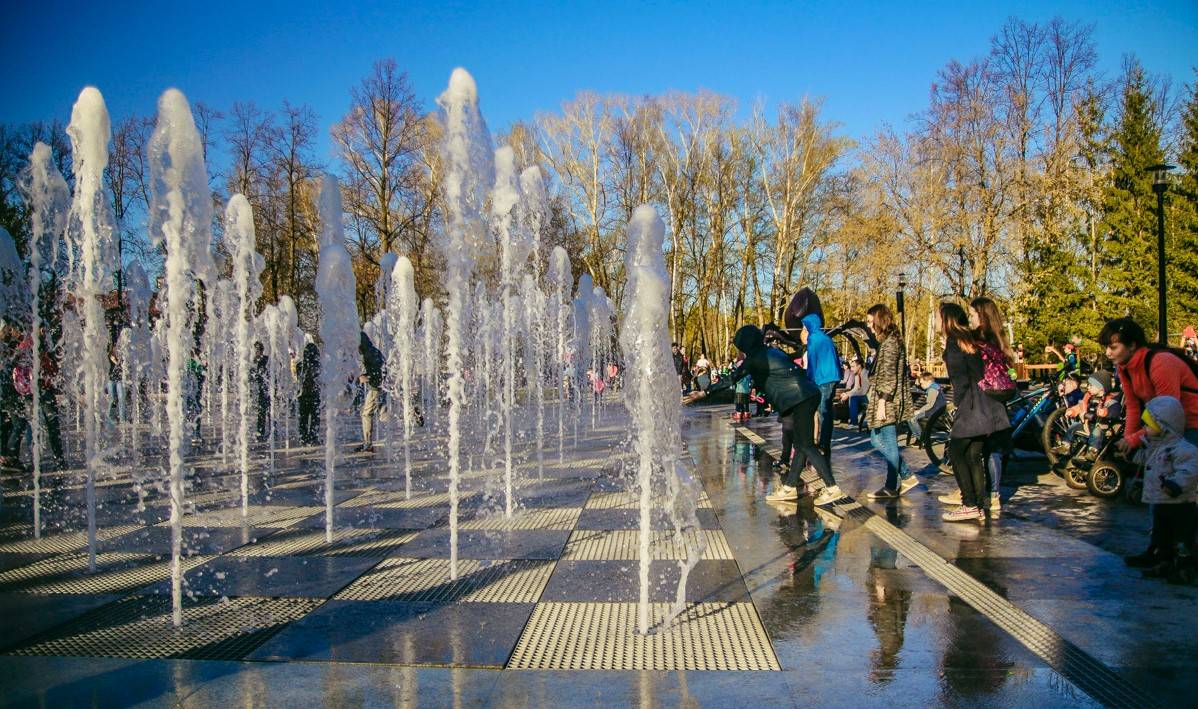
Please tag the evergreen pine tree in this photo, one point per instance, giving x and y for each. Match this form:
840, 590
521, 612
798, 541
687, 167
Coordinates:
1127, 276
1182, 222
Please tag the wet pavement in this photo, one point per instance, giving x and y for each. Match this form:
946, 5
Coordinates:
863, 603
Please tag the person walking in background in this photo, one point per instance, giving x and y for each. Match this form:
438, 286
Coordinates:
259, 379
307, 373
371, 379
115, 388
889, 403
978, 416
856, 392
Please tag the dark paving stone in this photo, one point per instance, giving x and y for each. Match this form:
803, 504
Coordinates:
343, 684
306, 577
631, 519
1093, 577
196, 540
619, 581
464, 634
96, 682
23, 615
380, 518
488, 544
13, 561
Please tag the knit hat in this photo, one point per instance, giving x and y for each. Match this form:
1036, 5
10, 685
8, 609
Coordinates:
1101, 379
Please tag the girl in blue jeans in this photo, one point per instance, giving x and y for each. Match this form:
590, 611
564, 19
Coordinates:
889, 402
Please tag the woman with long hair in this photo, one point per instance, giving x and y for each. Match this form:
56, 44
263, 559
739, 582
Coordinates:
978, 416
889, 401
987, 321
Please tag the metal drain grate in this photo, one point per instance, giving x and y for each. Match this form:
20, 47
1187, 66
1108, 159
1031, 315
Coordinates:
115, 573
140, 627
624, 545
548, 518
259, 516
603, 636
427, 580
60, 543
396, 501
632, 501
311, 542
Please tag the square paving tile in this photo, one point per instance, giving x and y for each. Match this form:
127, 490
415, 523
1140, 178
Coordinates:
459, 634
489, 544
380, 518
294, 577
196, 540
23, 615
619, 581
631, 519
429, 581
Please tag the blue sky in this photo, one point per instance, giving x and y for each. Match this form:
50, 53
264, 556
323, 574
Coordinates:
873, 62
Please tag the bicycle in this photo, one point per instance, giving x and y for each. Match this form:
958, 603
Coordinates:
1028, 419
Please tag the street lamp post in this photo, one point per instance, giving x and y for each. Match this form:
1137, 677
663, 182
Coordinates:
899, 301
1160, 184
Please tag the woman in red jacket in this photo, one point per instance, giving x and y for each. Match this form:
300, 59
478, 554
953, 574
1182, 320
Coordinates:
1145, 373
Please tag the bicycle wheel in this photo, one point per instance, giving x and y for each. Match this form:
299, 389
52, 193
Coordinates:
1054, 437
935, 437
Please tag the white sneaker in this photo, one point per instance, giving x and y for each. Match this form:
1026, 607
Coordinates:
783, 493
830, 495
907, 485
952, 498
962, 514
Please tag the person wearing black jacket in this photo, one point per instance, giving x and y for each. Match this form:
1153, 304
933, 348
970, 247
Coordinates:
978, 416
307, 371
372, 379
795, 397
260, 379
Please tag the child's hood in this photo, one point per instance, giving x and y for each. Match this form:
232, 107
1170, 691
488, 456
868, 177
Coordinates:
1169, 414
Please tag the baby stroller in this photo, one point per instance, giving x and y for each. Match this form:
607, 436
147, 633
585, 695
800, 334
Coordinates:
1109, 474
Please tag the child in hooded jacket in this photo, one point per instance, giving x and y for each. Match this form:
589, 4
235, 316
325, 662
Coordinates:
1171, 488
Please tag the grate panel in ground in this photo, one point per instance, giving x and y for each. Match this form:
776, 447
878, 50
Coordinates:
140, 627
632, 501
603, 636
116, 572
311, 542
57, 543
427, 580
621, 545
259, 516
396, 500
547, 518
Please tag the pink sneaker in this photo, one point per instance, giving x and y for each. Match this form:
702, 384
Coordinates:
962, 514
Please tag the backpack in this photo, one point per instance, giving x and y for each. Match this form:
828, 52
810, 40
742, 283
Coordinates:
1176, 352
996, 375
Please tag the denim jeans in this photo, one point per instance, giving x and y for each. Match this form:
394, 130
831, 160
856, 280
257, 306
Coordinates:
116, 394
916, 427
825, 419
885, 440
857, 406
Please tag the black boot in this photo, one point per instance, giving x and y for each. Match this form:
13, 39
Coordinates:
1150, 557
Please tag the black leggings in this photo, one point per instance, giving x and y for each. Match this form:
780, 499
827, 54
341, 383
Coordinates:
969, 467
798, 427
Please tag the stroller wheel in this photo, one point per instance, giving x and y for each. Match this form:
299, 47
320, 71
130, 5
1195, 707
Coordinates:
1105, 480
1076, 478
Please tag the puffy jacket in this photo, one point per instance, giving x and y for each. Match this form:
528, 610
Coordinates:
1169, 456
783, 383
823, 363
1169, 377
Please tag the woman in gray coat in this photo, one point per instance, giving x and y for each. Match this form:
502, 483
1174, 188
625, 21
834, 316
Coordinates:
889, 402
